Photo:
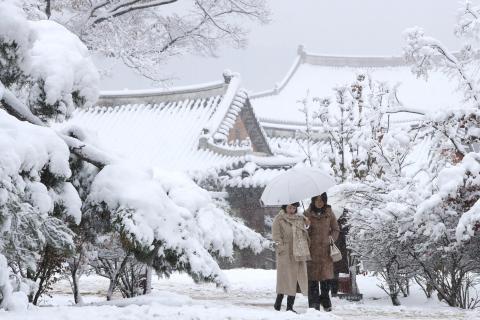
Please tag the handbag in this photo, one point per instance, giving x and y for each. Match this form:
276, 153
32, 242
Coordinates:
334, 251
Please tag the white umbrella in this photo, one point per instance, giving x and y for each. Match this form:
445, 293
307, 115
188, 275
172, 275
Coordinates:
295, 185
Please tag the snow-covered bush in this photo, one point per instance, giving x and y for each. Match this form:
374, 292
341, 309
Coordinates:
170, 215
380, 207
446, 216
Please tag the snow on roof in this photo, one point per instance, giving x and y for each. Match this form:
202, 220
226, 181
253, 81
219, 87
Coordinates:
292, 147
257, 179
257, 172
163, 128
320, 74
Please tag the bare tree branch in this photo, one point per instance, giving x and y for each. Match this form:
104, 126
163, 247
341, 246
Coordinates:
116, 12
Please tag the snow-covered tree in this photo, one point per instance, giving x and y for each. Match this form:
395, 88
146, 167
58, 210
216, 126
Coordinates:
56, 187
380, 207
143, 34
446, 217
368, 161
349, 125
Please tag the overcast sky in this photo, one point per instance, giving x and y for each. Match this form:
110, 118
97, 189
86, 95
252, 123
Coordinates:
342, 27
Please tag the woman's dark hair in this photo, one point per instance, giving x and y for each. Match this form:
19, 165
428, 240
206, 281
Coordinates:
324, 198
295, 204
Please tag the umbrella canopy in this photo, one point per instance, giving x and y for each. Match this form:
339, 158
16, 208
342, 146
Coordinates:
295, 185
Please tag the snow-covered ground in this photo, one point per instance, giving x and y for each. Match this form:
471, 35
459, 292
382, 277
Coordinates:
250, 296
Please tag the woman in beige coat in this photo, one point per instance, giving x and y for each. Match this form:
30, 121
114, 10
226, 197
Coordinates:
291, 240
323, 227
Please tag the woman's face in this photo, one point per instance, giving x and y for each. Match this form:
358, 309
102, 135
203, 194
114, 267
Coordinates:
319, 202
291, 209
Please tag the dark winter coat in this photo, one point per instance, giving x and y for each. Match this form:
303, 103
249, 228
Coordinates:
322, 226
342, 265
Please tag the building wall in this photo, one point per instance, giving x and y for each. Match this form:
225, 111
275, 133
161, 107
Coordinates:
238, 132
245, 204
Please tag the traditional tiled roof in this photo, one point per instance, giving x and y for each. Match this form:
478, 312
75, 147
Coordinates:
183, 129
319, 74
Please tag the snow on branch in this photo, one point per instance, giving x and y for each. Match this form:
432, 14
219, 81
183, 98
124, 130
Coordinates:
169, 208
124, 7
468, 22
84, 151
427, 54
16, 108
452, 182
50, 64
143, 34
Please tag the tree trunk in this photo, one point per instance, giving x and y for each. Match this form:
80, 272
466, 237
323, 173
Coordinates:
429, 290
148, 282
48, 10
75, 287
394, 297
353, 279
39, 291
111, 288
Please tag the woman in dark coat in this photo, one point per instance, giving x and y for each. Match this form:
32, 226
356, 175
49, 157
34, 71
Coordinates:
323, 227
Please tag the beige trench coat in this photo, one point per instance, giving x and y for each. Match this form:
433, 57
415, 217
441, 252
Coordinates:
289, 271
321, 228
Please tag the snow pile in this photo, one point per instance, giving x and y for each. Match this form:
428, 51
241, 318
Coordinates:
158, 206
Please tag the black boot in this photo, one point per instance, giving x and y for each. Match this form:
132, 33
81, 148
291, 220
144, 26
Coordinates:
278, 302
290, 302
325, 295
313, 295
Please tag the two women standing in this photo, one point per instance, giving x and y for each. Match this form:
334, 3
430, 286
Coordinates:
300, 239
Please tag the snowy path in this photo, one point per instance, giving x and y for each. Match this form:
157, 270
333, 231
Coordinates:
250, 297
